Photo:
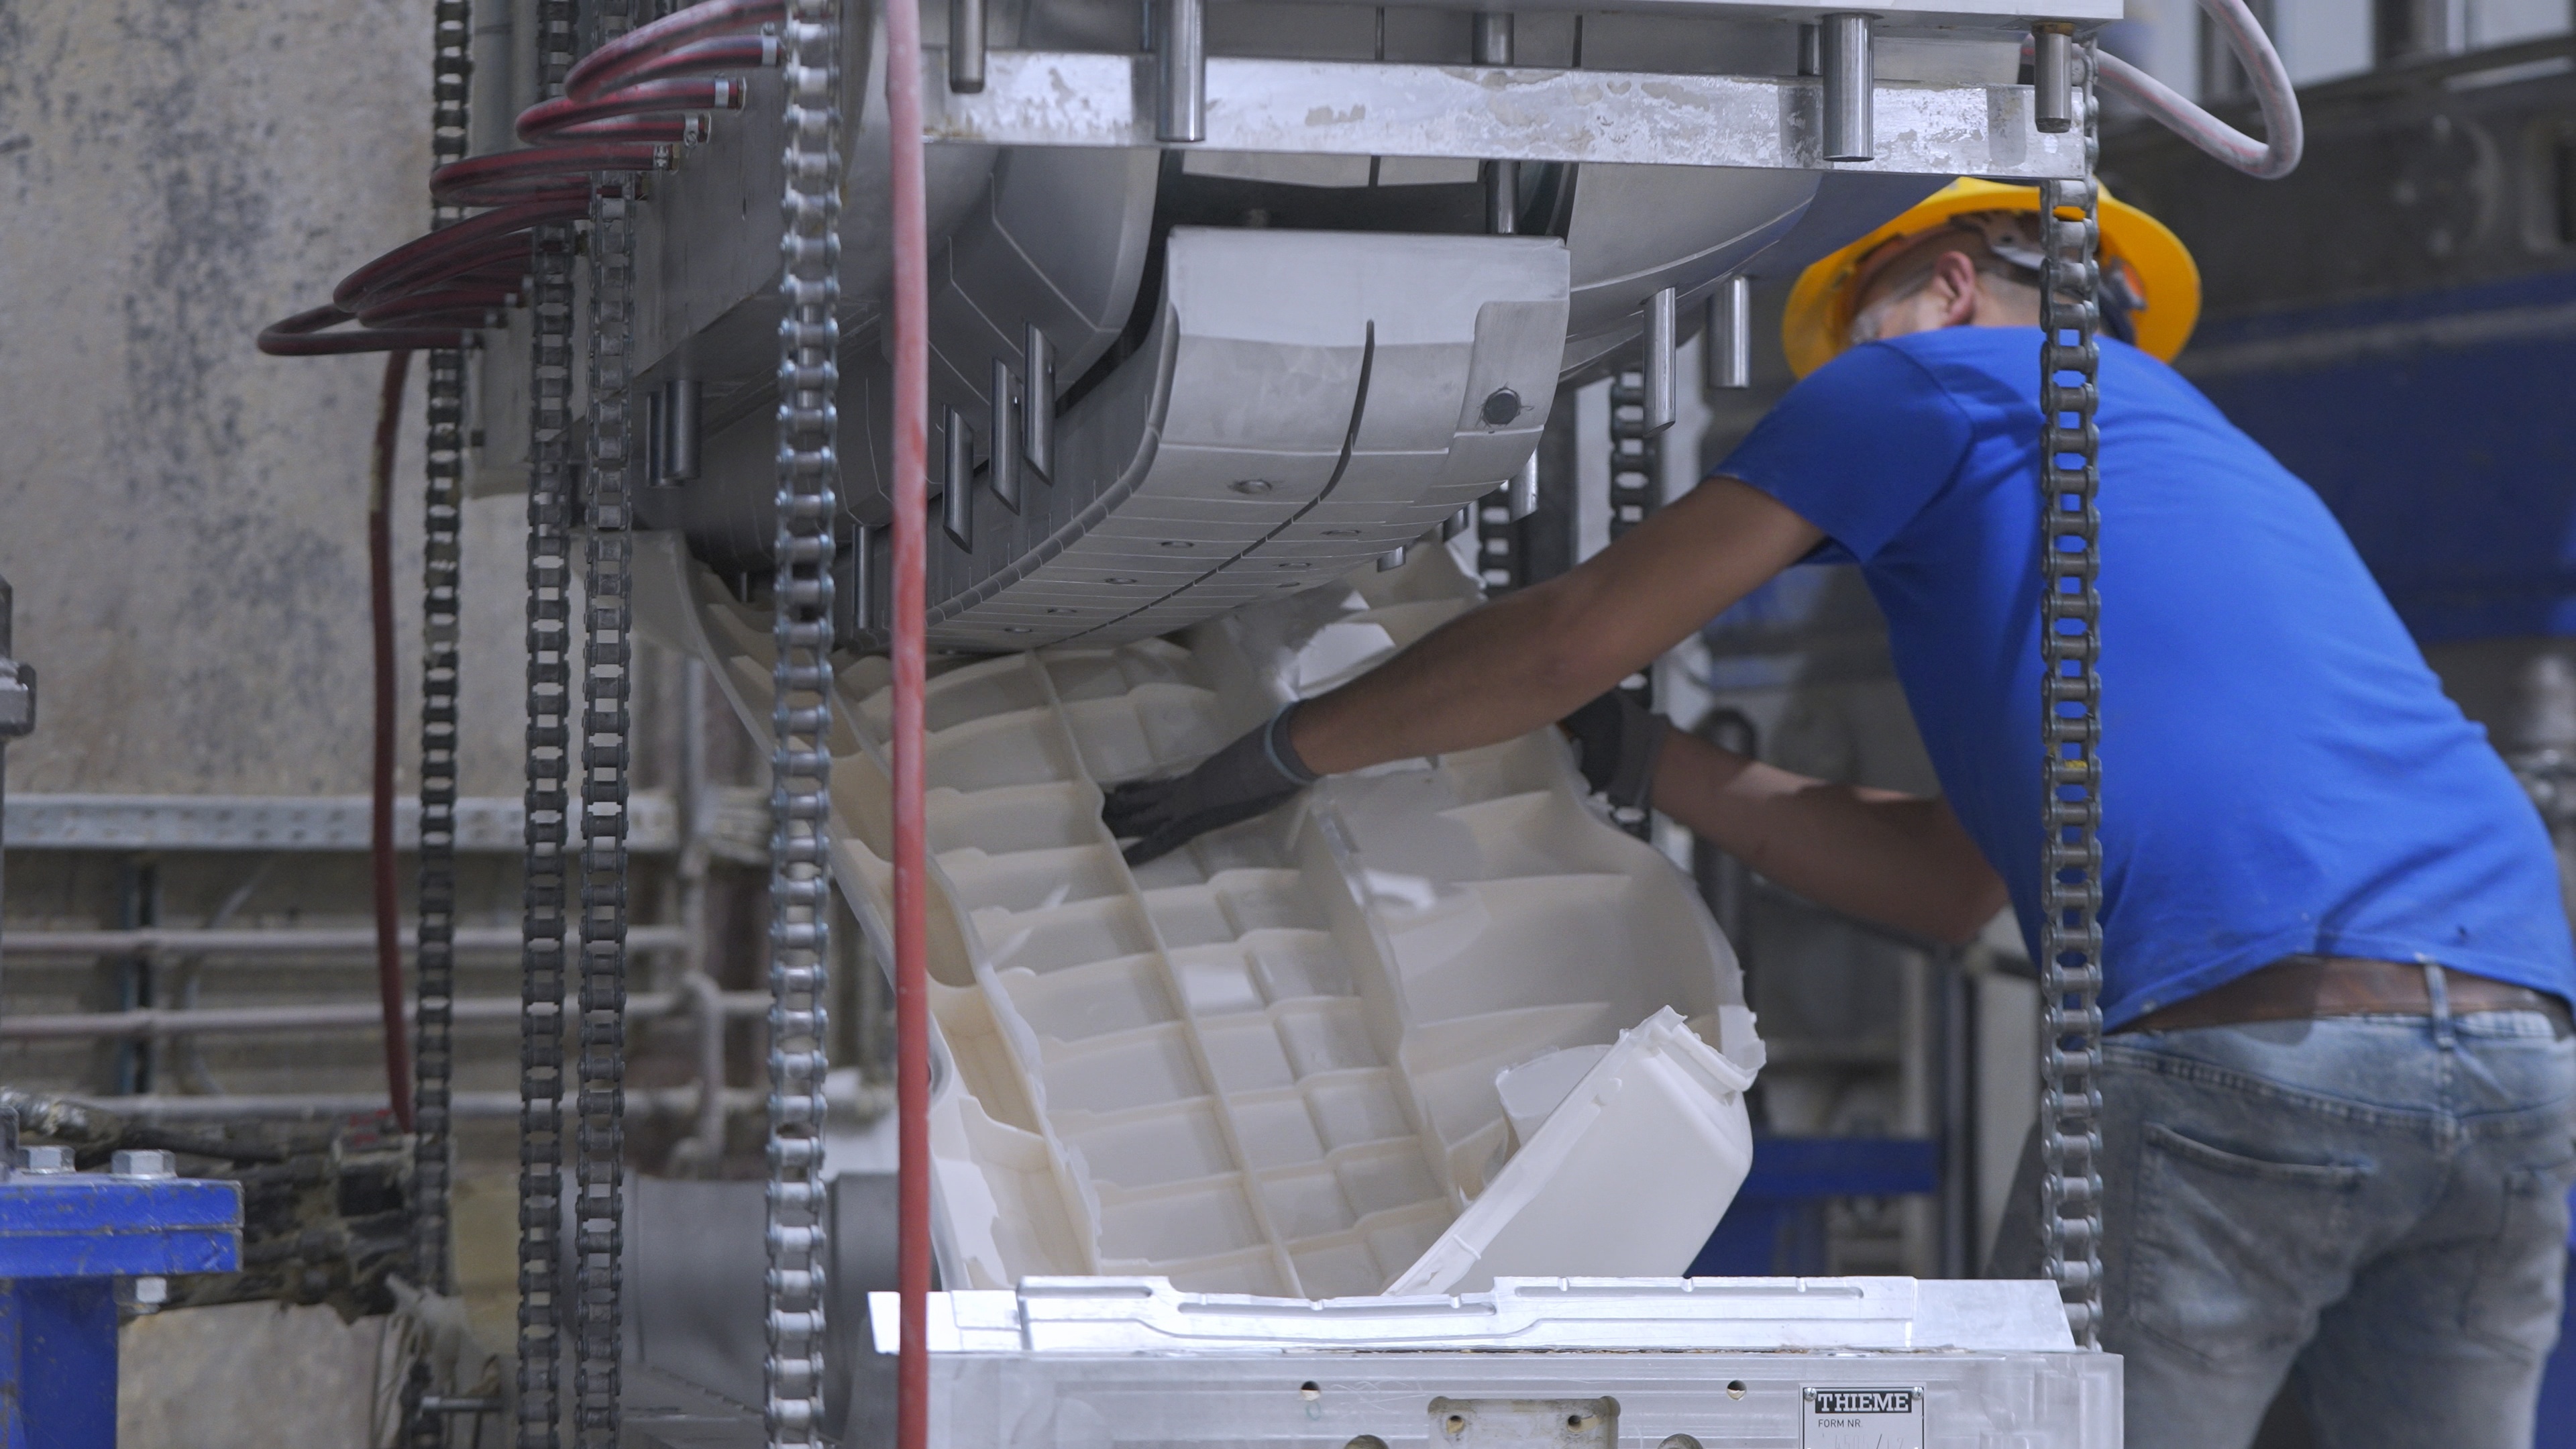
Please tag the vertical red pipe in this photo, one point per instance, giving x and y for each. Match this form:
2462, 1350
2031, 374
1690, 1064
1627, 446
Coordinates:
911, 522
380, 600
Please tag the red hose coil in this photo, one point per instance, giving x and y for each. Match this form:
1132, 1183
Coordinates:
609, 64
308, 334
540, 172
547, 119
616, 115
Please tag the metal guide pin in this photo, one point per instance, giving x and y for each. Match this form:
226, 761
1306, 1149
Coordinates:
1662, 400
1727, 343
957, 505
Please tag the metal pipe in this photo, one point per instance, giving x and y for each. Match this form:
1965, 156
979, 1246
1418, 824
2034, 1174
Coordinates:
325, 1106
1726, 344
1005, 433
1037, 402
1522, 491
336, 941
957, 505
1663, 345
706, 1140
1843, 51
1180, 70
2052, 76
966, 46
149, 1022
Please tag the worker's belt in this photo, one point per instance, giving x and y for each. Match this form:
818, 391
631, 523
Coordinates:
2298, 988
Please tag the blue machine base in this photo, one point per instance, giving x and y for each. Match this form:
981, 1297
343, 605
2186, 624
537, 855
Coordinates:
57, 1363
64, 1241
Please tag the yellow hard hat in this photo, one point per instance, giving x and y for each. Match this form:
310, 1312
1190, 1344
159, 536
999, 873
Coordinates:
1817, 326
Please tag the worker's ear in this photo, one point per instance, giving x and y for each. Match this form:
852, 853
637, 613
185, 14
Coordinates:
1954, 287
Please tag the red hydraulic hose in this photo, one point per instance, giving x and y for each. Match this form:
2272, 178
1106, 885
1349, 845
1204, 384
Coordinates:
380, 599
547, 119
698, 57
308, 334
539, 172
614, 62
911, 917
655, 130
450, 250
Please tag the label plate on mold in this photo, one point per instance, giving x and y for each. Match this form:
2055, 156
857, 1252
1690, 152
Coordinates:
1860, 1417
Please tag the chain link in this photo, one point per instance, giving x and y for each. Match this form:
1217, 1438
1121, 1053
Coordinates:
1636, 479
607, 671
800, 887
551, 476
2070, 1201
434, 969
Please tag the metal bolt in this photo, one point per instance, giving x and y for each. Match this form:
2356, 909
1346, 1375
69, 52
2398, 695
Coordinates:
35, 1160
144, 1163
151, 1291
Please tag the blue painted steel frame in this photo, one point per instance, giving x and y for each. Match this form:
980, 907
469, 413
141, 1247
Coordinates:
64, 1241
2436, 426
1776, 1225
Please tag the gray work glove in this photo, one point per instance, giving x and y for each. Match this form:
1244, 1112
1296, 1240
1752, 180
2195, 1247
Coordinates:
1619, 741
1236, 783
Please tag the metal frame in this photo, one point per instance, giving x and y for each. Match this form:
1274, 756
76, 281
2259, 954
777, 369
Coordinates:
1363, 108
484, 824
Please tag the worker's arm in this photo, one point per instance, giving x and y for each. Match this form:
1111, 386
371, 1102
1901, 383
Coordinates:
1535, 656
1539, 655
1897, 859
1526, 660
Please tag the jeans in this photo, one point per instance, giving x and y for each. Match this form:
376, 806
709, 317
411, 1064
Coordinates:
2379, 1201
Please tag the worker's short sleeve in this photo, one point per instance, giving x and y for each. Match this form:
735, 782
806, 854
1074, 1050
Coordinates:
1858, 448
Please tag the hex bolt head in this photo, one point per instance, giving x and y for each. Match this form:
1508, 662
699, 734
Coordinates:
144, 1163
45, 1159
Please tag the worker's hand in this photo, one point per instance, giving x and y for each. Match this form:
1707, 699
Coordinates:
1236, 783
1619, 741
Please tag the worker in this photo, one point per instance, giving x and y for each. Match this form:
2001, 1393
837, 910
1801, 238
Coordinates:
2339, 1092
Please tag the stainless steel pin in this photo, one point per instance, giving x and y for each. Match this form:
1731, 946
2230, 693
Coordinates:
957, 511
1843, 48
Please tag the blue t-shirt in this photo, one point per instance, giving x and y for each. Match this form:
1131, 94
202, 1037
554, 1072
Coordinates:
2281, 771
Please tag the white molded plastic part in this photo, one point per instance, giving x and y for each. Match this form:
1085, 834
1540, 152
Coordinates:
1627, 1175
1266, 1063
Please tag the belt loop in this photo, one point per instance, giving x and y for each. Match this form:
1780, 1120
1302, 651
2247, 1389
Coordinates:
2439, 990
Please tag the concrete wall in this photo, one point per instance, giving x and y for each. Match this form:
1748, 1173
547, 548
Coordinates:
185, 520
